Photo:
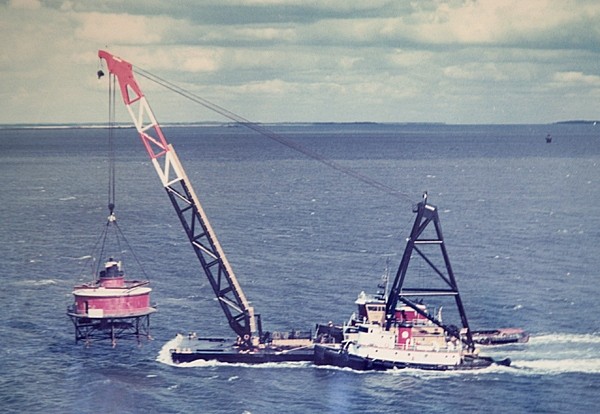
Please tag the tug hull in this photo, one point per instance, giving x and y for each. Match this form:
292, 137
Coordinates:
334, 356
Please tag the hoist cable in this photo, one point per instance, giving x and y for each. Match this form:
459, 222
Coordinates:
272, 135
112, 221
111, 144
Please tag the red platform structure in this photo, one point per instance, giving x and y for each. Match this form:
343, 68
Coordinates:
111, 307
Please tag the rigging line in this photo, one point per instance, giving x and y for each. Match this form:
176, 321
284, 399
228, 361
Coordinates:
272, 135
91, 259
130, 250
104, 237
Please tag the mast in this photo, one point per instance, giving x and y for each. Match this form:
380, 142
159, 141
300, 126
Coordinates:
203, 239
427, 215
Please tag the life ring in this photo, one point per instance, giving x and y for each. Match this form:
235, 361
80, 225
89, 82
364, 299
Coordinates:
246, 337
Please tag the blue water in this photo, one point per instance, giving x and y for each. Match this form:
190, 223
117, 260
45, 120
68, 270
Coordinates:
521, 219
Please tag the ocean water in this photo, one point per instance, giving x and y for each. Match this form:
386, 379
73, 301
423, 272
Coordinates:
521, 220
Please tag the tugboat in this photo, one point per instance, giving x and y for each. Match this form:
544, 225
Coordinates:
396, 330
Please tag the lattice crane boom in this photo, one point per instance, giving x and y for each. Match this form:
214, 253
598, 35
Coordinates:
213, 261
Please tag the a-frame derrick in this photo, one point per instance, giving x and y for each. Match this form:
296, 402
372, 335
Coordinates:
427, 231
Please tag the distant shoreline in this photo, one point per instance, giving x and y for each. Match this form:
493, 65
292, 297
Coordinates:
233, 124
584, 122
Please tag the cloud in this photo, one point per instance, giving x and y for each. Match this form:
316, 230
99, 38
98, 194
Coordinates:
483, 22
274, 86
408, 58
121, 28
477, 71
576, 78
327, 59
25, 4
265, 33
31, 35
176, 58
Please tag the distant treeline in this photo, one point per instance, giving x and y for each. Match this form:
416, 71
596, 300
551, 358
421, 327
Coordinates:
578, 121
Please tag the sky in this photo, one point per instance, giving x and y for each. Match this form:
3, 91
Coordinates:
457, 61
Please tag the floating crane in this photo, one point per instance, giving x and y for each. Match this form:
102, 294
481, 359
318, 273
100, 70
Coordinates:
251, 342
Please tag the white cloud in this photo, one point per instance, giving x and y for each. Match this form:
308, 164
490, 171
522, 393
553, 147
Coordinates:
264, 33
25, 4
477, 71
348, 62
32, 36
104, 28
338, 5
577, 78
407, 58
333, 59
485, 21
274, 86
173, 58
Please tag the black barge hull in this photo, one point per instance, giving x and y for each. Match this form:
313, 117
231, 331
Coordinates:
233, 357
223, 350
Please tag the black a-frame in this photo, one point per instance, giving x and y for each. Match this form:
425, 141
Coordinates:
420, 237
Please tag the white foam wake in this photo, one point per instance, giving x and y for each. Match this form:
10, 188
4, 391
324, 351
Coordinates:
561, 338
164, 355
555, 353
560, 366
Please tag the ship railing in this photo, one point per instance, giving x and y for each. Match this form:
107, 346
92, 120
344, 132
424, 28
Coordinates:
429, 347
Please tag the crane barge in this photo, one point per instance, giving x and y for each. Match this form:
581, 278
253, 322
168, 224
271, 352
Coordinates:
394, 331
252, 345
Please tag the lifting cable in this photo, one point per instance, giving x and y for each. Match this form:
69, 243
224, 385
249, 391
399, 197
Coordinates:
112, 220
111, 144
272, 135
